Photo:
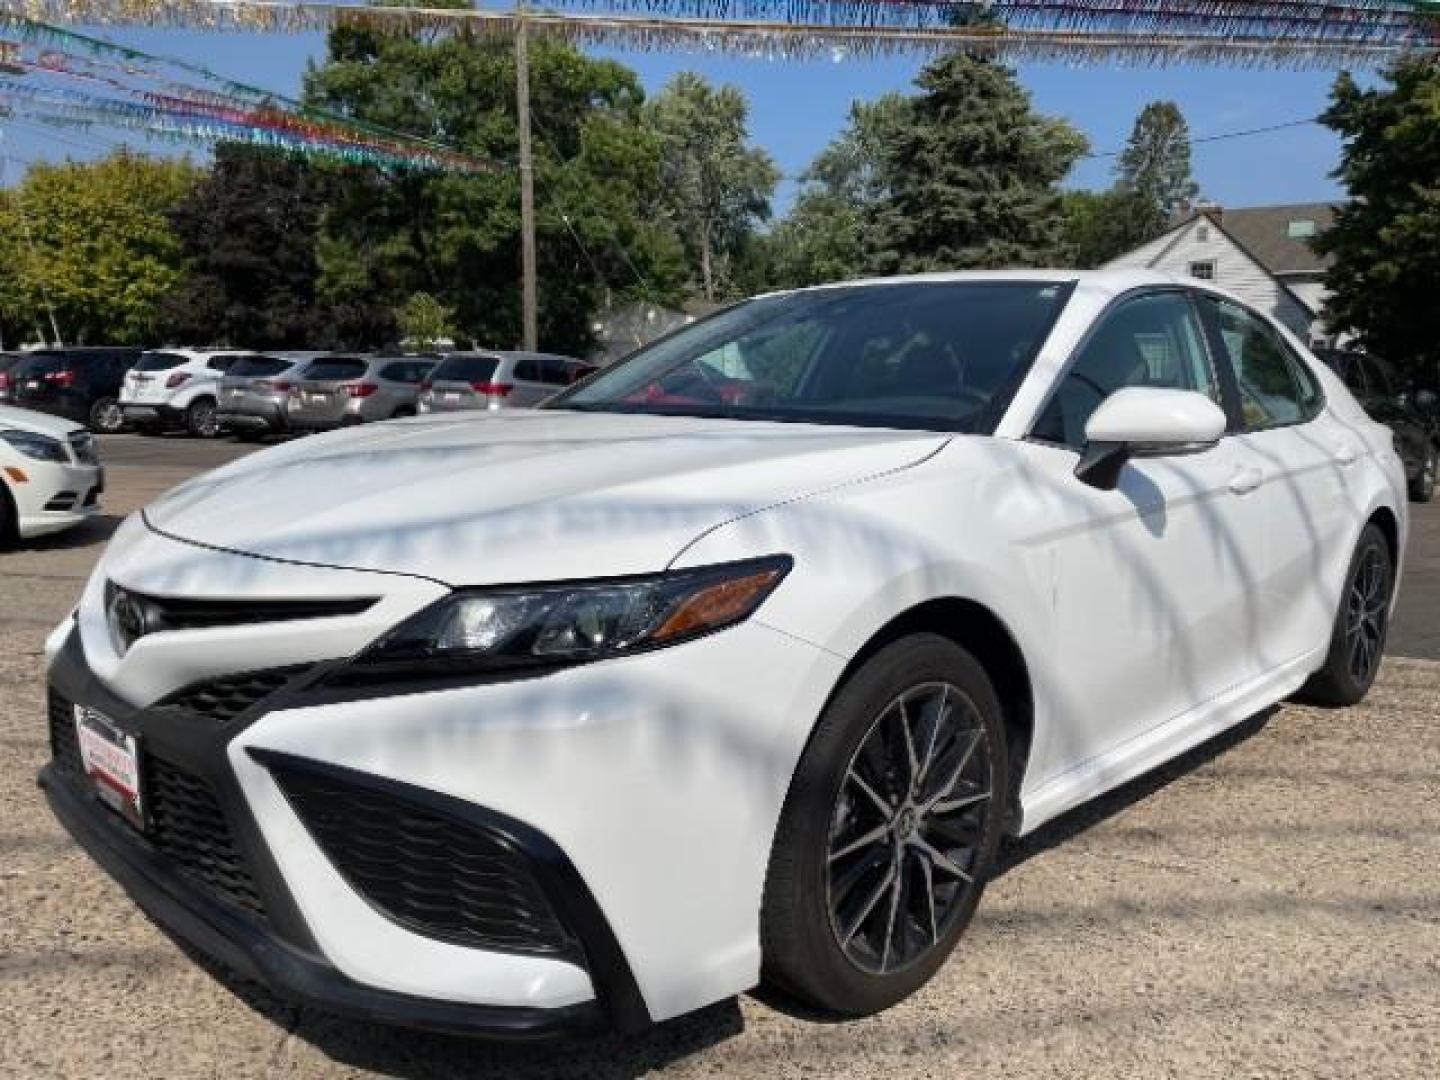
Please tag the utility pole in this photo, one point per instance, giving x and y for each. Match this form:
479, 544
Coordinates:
528, 300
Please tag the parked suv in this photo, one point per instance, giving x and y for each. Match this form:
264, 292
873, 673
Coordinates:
341, 390
80, 384
1410, 413
8, 361
254, 392
497, 380
169, 388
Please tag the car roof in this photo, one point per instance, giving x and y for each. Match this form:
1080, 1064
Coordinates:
1113, 282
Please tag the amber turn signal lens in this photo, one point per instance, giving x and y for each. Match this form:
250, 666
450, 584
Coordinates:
716, 605
18, 475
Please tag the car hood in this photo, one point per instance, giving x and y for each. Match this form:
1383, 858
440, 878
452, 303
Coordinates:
519, 496
37, 422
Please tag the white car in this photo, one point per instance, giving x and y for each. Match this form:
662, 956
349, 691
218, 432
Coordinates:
733, 663
176, 388
50, 474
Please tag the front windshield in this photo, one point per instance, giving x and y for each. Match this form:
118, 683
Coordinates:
931, 355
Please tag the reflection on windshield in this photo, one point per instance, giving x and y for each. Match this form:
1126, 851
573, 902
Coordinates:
914, 354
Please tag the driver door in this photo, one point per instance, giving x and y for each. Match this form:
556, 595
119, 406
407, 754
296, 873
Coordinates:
1153, 581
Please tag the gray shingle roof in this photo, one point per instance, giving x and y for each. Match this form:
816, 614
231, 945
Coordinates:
1264, 231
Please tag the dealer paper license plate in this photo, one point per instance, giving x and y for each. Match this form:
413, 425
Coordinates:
112, 760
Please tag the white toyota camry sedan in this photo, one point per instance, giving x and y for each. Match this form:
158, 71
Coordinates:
733, 664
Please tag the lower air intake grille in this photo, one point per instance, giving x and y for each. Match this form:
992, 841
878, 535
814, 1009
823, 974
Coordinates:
186, 824
425, 869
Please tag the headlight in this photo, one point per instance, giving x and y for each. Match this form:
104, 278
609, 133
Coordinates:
510, 630
39, 447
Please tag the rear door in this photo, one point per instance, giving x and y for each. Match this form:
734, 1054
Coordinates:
527, 379
1297, 464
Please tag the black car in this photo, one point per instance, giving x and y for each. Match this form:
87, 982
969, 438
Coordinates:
1410, 413
7, 366
81, 384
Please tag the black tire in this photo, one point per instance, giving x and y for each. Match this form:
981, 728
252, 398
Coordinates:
801, 929
9, 519
106, 417
1422, 488
1364, 610
402, 412
201, 420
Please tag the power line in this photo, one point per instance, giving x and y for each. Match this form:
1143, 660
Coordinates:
1222, 137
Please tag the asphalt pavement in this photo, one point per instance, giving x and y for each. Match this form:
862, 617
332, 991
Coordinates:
1269, 906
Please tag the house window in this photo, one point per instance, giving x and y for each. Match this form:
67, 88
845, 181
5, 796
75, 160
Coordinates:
1300, 229
1202, 234
1204, 270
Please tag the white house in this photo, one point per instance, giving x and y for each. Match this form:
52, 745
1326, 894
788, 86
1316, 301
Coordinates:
1261, 253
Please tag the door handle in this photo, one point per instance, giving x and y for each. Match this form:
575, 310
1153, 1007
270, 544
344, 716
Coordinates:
1345, 455
1246, 480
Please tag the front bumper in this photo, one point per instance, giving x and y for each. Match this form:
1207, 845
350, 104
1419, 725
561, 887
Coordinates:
253, 925
56, 497
660, 777
247, 948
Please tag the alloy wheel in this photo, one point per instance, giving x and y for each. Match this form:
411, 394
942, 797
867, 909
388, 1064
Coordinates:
107, 417
1365, 611
203, 420
907, 827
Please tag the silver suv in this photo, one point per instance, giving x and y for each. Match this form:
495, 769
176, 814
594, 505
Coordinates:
342, 390
497, 380
255, 390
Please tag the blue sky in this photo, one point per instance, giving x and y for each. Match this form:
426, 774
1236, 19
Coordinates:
796, 108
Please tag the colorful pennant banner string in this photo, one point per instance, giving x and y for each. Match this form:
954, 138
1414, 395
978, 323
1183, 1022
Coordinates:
1284, 20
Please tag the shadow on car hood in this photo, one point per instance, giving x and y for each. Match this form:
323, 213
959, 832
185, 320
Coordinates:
519, 496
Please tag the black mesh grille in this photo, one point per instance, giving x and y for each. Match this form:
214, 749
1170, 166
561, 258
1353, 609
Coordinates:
186, 824
221, 700
429, 872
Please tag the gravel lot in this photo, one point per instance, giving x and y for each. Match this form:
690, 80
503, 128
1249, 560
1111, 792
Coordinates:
1268, 907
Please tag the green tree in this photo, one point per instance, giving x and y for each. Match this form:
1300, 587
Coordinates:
1099, 225
714, 187
1152, 175
249, 230
91, 242
1385, 242
392, 233
974, 172
830, 233
425, 321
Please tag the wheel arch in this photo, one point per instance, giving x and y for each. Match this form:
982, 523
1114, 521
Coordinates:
1385, 520
978, 630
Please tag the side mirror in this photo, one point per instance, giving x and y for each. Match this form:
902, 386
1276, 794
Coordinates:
1144, 421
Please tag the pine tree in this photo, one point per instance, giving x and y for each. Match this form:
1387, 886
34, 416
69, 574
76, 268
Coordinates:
1152, 175
973, 174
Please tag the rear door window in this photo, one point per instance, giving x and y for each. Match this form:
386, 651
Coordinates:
527, 369
1276, 388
